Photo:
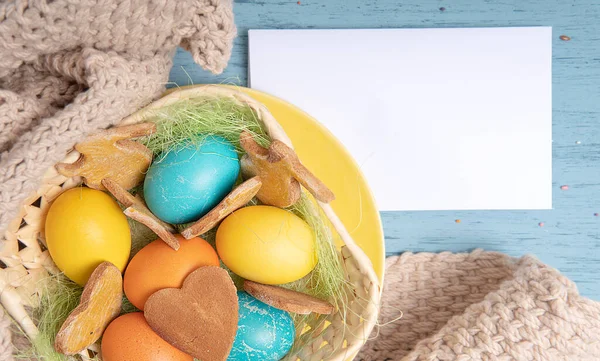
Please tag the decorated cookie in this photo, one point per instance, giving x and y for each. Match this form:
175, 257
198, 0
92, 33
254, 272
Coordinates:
199, 319
110, 154
137, 210
100, 304
281, 173
238, 198
287, 300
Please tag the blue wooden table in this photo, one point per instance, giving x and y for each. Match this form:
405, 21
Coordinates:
570, 236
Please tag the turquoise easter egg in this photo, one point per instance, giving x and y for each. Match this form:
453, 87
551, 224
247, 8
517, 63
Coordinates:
189, 181
264, 333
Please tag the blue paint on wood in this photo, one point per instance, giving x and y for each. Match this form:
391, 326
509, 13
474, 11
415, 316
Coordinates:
570, 237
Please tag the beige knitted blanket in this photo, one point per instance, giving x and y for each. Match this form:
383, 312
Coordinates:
482, 306
68, 68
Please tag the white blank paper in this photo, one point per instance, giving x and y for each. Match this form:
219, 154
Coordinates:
437, 119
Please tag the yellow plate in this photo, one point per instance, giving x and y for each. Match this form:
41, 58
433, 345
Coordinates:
325, 156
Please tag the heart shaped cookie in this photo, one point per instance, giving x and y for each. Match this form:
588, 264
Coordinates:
201, 318
100, 303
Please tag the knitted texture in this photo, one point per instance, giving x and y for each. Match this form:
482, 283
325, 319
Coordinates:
69, 68
482, 306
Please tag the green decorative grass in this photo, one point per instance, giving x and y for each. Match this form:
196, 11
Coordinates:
193, 120
59, 296
327, 280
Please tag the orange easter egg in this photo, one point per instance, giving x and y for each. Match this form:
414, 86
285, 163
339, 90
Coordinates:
158, 266
129, 337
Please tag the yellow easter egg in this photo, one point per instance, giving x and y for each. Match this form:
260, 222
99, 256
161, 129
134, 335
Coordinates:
85, 227
267, 245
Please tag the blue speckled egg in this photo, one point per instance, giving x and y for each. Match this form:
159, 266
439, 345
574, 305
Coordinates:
190, 180
264, 333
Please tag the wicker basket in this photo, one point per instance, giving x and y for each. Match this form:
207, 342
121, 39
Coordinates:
26, 260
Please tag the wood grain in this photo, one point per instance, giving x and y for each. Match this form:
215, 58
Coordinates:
570, 237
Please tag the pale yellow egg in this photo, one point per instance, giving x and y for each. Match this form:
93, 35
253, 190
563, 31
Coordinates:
85, 227
267, 245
